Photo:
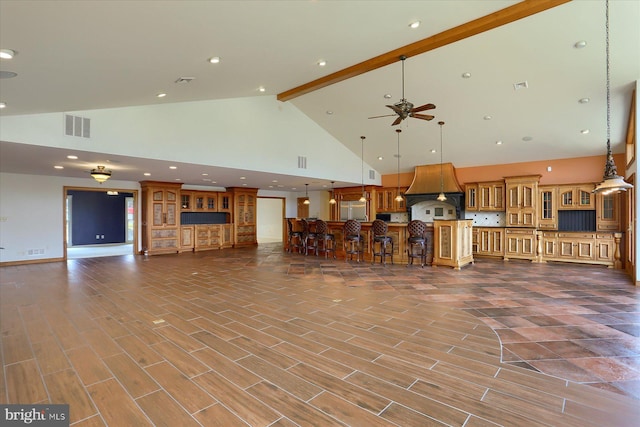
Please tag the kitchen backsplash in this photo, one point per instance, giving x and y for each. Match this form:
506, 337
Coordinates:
399, 217
487, 219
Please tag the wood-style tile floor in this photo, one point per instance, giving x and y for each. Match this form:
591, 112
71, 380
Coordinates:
261, 337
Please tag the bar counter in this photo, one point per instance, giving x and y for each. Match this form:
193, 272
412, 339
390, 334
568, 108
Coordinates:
397, 231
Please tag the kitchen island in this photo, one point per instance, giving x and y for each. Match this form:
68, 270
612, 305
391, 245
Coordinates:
397, 231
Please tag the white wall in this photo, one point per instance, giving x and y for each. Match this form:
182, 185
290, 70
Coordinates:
32, 214
255, 133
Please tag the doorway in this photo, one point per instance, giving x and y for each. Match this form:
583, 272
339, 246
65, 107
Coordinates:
99, 222
270, 219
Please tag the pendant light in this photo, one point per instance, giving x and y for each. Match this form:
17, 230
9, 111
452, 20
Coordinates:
332, 200
398, 196
441, 196
364, 197
306, 195
611, 181
100, 174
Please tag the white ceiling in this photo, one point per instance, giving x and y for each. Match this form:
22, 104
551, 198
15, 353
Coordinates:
82, 55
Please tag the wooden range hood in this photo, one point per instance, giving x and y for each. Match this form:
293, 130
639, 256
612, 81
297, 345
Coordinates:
426, 180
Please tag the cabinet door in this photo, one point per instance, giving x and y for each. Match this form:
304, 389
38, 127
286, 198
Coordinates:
608, 212
498, 197
605, 249
380, 201
471, 198
547, 209
211, 202
497, 239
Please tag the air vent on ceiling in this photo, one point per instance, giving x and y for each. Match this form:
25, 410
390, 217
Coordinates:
77, 126
302, 162
521, 85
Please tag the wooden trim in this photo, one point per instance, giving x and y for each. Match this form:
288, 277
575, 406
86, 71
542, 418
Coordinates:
31, 261
631, 132
505, 16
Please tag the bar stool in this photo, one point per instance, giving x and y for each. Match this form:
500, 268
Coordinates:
327, 239
417, 239
352, 240
310, 237
379, 230
295, 238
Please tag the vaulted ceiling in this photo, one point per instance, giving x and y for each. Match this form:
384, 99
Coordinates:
519, 84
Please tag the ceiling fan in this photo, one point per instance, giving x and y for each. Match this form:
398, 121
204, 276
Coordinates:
404, 108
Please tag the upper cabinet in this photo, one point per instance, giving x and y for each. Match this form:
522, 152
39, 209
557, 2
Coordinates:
484, 196
386, 199
548, 207
577, 196
521, 198
199, 201
491, 196
608, 212
471, 197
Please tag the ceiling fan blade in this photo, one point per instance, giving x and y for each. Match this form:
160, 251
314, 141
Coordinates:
423, 116
423, 108
396, 109
396, 121
386, 115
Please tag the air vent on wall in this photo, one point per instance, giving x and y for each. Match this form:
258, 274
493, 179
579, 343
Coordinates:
302, 162
77, 126
372, 174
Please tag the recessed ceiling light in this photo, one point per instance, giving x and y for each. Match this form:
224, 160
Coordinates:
7, 74
466, 75
387, 96
161, 95
206, 179
244, 184
243, 177
414, 24
322, 63
178, 179
274, 180
3, 105
329, 112
146, 174
498, 142
527, 138
215, 60
58, 167
584, 100
261, 89
380, 157
7, 53
433, 150
487, 117
72, 157
205, 174
580, 44
173, 167
584, 131
549, 169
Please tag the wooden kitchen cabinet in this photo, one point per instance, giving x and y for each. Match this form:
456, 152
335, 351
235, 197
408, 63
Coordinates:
187, 241
520, 244
548, 207
160, 217
586, 248
386, 200
576, 196
491, 196
471, 197
244, 215
452, 243
522, 196
489, 241
608, 212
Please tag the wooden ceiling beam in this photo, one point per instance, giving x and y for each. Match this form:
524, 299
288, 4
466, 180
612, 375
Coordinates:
488, 22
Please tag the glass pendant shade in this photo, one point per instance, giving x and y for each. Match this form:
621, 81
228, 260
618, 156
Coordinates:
100, 174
